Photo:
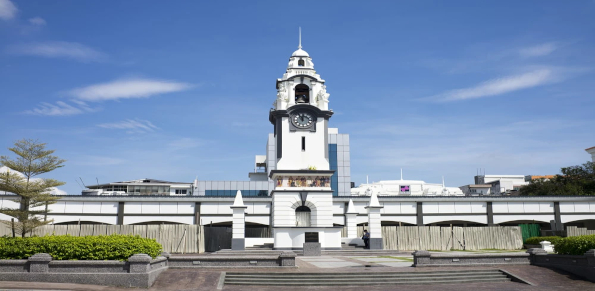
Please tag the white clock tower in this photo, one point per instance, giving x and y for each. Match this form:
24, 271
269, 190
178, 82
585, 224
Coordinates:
300, 116
302, 198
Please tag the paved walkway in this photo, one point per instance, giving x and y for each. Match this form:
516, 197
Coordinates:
208, 279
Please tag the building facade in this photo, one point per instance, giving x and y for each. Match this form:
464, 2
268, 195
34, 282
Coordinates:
302, 185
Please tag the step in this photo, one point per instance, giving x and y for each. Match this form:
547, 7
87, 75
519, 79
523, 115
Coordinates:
360, 282
367, 279
360, 275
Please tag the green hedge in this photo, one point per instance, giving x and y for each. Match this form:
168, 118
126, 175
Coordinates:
575, 245
65, 247
537, 239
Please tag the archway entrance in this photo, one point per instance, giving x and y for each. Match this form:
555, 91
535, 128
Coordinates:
302, 216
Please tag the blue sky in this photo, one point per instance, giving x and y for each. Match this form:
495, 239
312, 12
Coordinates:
178, 89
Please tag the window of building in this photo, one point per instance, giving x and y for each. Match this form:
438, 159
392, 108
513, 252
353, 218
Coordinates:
301, 63
302, 94
303, 143
405, 189
181, 191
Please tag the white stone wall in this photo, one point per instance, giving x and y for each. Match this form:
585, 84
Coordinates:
285, 203
293, 158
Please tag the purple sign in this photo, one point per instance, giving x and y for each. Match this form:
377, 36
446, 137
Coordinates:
404, 188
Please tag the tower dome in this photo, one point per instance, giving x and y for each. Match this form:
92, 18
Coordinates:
300, 53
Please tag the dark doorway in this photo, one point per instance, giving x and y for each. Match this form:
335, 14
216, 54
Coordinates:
217, 238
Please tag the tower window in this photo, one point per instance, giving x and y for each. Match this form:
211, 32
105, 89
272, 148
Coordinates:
302, 94
301, 63
303, 143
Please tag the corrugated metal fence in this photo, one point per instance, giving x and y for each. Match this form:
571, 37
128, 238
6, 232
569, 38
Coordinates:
178, 238
175, 238
576, 231
449, 238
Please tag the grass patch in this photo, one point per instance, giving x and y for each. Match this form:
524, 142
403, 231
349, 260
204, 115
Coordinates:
408, 259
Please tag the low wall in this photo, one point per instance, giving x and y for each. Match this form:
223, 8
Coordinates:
285, 259
139, 271
427, 259
583, 266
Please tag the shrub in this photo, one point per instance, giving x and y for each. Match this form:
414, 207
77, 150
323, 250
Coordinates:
537, 239
575, 245
65, 247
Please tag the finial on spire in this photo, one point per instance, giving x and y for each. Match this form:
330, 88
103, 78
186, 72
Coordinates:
300, 45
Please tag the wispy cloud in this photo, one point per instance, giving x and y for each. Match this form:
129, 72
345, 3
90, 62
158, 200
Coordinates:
37, 21
88, 160
130, 88
61, 108
538, 50
457, 147
7, 10
498, 86
131, 125
58, 49
184, 143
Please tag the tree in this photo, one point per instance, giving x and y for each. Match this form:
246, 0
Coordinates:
575, 180
34, 193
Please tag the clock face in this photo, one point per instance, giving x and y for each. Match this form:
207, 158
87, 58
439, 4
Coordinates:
302, 120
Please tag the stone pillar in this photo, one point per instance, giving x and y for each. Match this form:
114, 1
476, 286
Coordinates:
490, 213
287, 259
120, 218
374, 225
39, 263
139, 263
421, 258
535, 252
351, 220
238, 227
420, 214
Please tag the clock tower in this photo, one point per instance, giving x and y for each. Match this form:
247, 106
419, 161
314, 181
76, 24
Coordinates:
302, 206
300, 116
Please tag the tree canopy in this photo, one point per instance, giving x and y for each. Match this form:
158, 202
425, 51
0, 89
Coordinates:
32, 159
574, 180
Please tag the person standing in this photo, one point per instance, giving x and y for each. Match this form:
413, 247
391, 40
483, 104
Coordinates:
366, 239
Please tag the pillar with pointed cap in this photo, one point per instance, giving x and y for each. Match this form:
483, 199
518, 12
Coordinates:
238, 224
351, 222
374, 225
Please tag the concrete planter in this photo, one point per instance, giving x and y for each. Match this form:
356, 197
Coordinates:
285, 259
426, 259
583, 266
139, 271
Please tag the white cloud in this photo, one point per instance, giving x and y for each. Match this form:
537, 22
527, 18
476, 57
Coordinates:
131, 88
87, 160
61, 108
538, 50
498, 86
184, 143
131, 126
37, 21
7, 10
58, 49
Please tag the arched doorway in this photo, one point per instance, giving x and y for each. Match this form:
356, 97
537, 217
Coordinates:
302, 216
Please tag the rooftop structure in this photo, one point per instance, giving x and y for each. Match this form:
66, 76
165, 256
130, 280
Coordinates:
591, 151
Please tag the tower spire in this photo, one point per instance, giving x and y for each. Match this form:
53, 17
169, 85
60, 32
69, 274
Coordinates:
300, 44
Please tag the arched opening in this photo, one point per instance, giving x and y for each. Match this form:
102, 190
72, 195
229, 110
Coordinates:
301, 63
302, 216
302, 94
